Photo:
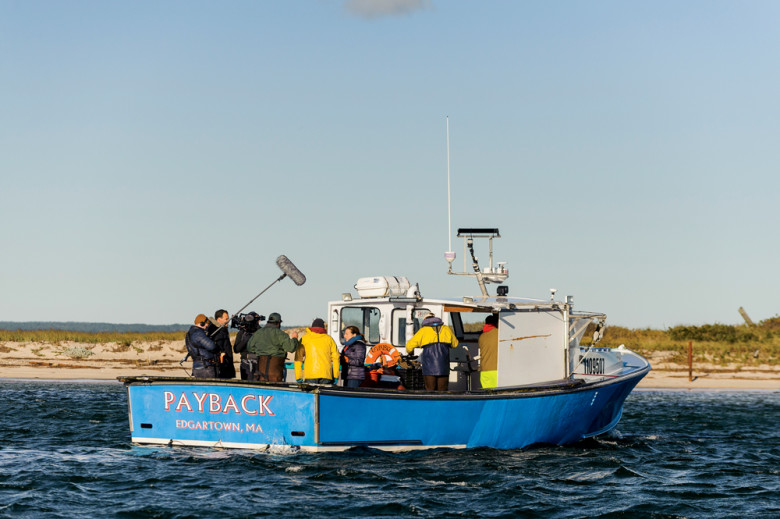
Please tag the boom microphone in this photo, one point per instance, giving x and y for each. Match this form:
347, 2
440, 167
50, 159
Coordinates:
291, 270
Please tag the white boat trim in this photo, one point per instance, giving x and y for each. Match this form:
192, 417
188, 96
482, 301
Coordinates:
145, 442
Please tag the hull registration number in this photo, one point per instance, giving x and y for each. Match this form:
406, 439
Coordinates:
593, 365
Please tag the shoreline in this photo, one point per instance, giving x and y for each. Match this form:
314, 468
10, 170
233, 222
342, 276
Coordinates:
655, 380
640, 388
69, 361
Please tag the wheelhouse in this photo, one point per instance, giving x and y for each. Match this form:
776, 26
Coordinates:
539, 341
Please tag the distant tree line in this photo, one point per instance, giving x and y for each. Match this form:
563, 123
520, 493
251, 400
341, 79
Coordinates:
92, 327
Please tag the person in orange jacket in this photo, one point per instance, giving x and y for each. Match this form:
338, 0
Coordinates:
317, 359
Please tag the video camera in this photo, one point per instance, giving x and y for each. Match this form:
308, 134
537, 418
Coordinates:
248, 322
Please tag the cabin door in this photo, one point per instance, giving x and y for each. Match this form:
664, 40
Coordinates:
531, 347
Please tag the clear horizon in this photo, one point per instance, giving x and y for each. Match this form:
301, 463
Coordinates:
158, 157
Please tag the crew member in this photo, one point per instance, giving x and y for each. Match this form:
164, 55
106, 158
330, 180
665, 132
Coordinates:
202, 349
353, 357
488, 352
218, 332
436, 339
317, 358
246, 329
271, 346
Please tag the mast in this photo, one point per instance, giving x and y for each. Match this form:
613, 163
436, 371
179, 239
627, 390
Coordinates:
449, 255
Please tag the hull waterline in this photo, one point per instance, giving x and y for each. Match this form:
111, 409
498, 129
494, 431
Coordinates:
248, 415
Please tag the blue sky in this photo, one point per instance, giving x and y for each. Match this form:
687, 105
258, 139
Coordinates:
157, 157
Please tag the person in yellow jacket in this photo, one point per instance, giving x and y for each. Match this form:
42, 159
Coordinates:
317, 359
435, 339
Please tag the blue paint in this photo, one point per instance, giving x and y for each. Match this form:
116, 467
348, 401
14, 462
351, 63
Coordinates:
204, 412
248, 415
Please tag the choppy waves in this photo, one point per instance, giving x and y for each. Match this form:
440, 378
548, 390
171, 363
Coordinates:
65, 452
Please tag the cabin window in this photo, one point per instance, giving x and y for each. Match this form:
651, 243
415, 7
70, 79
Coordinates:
468, 325
365, 318
400, 324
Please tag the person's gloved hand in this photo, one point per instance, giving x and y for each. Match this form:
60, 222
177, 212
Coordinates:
299, 380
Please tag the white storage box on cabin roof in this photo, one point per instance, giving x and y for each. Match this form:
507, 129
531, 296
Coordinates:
382, 286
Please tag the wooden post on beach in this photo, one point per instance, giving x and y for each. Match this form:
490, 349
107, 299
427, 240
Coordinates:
690, 361
746, 317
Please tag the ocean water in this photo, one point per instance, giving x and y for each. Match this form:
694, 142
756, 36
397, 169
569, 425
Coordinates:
65, 452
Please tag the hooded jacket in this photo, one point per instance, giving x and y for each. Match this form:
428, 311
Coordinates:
435, 339
320, 353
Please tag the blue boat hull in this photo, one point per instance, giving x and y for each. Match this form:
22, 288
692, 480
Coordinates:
251, 415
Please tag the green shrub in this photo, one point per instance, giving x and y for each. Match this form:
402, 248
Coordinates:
77, 352
713, 332
771, 325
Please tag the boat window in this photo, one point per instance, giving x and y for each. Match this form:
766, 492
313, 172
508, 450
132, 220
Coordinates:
468, 325
457, 325
365, 318
399, 324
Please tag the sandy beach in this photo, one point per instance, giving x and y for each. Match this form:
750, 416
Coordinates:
69, 360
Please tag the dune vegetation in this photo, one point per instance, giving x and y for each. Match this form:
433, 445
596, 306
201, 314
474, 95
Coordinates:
61, 336
715, 343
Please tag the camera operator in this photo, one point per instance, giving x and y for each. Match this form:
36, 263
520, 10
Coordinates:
247, 325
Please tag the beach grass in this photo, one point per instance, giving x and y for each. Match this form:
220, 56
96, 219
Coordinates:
720, 344
125, 339
715, 343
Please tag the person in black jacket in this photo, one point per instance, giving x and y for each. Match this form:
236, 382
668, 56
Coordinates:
219, 334
202, 349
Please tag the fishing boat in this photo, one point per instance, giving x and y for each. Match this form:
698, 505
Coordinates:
551, 387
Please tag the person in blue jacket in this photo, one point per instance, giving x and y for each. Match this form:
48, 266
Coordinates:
353, 357
202, 349
436, 339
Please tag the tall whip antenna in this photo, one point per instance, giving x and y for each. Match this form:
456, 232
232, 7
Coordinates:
449, 255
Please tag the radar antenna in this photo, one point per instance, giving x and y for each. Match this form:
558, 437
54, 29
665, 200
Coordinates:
489, 274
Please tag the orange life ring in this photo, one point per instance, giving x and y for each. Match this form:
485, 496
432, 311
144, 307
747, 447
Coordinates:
385, 353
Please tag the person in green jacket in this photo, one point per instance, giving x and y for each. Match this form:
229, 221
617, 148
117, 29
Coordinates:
271, 345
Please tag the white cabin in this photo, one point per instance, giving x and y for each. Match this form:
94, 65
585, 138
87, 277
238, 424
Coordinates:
538, 339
